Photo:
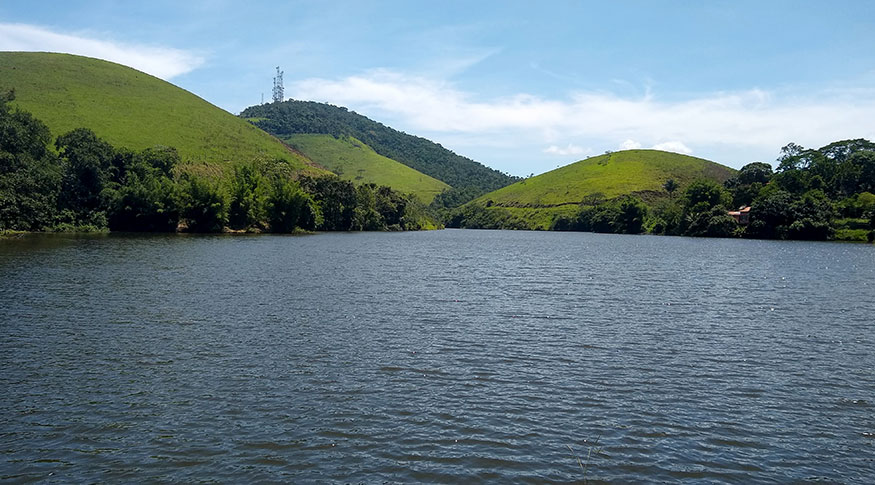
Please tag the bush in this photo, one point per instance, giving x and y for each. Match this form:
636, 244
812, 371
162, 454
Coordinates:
204, 205
715, 222
147, 204
289, 207
247, 203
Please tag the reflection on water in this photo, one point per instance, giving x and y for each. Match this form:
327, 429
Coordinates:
448, 356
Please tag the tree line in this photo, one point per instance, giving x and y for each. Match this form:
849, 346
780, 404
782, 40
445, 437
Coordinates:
86, 184
814, 194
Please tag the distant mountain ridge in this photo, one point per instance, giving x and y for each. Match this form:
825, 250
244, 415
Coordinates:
292, 117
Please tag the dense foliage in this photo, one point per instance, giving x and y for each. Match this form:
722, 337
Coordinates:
91, 185
472, 216
624, 215
467, 177
814, 194
29, 173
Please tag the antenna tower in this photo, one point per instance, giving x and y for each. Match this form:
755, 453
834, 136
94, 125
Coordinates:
278, 86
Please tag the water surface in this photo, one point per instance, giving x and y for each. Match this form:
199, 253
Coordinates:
444, 356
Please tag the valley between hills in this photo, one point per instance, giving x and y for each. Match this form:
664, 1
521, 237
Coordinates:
90, 145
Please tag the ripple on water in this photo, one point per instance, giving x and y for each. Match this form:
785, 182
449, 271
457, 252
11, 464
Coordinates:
440, 357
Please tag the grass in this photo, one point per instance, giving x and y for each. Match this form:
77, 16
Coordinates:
615, 174
584, 466
132, 109
537, 200
355, 161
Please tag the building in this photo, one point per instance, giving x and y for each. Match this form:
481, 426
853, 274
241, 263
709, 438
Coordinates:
742, 215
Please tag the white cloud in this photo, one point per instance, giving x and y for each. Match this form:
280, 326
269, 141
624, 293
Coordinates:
673, 146
745, 122
163, 62
630, 145
429, 104
568, 150
668, 146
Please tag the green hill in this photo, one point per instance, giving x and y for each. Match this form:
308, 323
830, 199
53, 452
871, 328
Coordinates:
355, 161
467, 177
534, 202
132, 109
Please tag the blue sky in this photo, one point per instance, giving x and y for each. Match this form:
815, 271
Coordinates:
523, 87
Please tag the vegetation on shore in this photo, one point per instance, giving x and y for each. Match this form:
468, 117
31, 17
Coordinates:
83, 183
139, 154
536, 202
822, 194
467, 178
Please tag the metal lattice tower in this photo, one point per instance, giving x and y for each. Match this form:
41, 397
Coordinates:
278, 86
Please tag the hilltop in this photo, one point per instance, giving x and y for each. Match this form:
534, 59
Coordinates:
131, 109
289, 118
536, 201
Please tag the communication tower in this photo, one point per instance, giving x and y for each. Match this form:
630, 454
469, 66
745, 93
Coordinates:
278, 86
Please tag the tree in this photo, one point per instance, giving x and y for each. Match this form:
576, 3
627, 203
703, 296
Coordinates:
144, 203
752, 173
794, 157
87, 162
336, 199
705, 192
715, 222
564, 223
771, 214
746, 184
841, 151
621, 216
21, 135
665, 217
794, 181
630, 219
289, 207
866, 162
247, 204
366, 217
162, 158
670, 186
391, 205
812, 217
598, 218
30, 175
204, 205
473, 216
704, 200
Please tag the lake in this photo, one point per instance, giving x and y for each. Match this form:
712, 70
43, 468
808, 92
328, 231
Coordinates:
450, 356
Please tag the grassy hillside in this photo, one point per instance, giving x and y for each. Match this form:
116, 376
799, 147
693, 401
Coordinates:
132, 109
537, 200
355, 161
304, 117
